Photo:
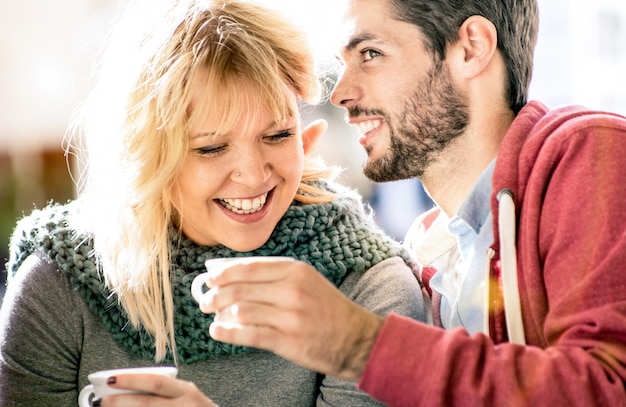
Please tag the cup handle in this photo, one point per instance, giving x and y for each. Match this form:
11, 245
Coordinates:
85, 394
197, 286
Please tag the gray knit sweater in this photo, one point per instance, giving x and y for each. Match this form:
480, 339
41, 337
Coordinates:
58, 321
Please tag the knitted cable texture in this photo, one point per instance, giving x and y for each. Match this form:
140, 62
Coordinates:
336, 238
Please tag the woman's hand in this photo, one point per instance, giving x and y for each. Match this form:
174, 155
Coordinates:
161, 391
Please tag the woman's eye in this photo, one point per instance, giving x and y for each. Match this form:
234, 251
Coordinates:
209, 151
369, 54
277, 138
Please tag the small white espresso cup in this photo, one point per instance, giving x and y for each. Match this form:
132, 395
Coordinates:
98, 387
198, 284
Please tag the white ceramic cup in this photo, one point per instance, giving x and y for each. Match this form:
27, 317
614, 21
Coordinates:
198, 284
98, 387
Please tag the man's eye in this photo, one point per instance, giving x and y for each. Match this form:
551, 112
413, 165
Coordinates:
340, 61
369, 54
277, 138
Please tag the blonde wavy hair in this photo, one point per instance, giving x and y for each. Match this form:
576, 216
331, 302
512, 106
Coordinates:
131, 135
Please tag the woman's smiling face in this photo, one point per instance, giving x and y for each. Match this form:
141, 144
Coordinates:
237, 183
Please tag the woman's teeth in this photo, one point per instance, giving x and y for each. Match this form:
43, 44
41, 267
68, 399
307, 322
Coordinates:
244, 206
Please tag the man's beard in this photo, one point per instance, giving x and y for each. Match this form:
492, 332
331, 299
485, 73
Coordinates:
432, 117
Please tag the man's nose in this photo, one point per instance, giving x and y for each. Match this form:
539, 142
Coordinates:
347, 90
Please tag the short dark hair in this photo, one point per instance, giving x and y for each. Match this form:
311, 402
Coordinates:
516, 22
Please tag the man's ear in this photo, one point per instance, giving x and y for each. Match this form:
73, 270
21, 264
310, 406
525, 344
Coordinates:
312, 133
476, 46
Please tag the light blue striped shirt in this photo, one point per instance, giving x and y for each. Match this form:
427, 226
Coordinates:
463, 288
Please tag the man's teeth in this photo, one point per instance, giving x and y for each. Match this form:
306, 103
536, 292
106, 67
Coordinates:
244, 206
367, 125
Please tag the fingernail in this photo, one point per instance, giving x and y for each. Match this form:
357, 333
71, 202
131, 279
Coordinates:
111, 380
96, 403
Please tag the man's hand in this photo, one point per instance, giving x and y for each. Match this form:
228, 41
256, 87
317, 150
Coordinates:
292, 310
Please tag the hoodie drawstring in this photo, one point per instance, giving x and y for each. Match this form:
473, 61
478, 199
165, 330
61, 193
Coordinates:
508, 258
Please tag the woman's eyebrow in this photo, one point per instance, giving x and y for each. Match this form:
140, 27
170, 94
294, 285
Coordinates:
274, 124
203, 134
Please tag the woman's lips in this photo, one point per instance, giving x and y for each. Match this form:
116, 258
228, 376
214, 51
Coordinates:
246, 210
244, 206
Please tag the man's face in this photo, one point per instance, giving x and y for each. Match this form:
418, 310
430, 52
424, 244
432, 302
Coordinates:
405, 104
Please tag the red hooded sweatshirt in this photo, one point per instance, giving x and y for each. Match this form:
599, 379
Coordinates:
566, 170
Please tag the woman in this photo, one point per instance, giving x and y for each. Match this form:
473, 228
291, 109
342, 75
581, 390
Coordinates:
192, 149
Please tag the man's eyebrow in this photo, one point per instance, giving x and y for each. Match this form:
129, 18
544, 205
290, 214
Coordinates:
356, 40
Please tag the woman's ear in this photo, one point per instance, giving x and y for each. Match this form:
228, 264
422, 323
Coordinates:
476, 46
312, 133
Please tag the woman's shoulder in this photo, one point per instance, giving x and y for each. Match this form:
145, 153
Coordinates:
36, 280
37, 266
391, 274
388, 286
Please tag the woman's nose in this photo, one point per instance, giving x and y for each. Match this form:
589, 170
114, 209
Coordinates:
252, 168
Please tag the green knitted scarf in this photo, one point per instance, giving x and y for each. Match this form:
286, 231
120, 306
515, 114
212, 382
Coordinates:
336, 238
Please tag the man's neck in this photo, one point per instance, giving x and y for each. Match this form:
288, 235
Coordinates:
453, 174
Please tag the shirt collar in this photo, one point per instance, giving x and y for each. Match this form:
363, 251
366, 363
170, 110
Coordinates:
466, 224
475, 209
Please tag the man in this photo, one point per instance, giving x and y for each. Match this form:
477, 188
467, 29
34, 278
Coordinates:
533, 316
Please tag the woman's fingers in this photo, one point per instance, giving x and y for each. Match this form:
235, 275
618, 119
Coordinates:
157, 391
149, 383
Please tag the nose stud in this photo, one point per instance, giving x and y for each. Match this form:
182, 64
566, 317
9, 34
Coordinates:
238, 174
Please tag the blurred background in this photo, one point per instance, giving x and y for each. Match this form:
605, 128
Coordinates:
47, 49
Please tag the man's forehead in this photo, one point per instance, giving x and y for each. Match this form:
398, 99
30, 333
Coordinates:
369, 21
356, 23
